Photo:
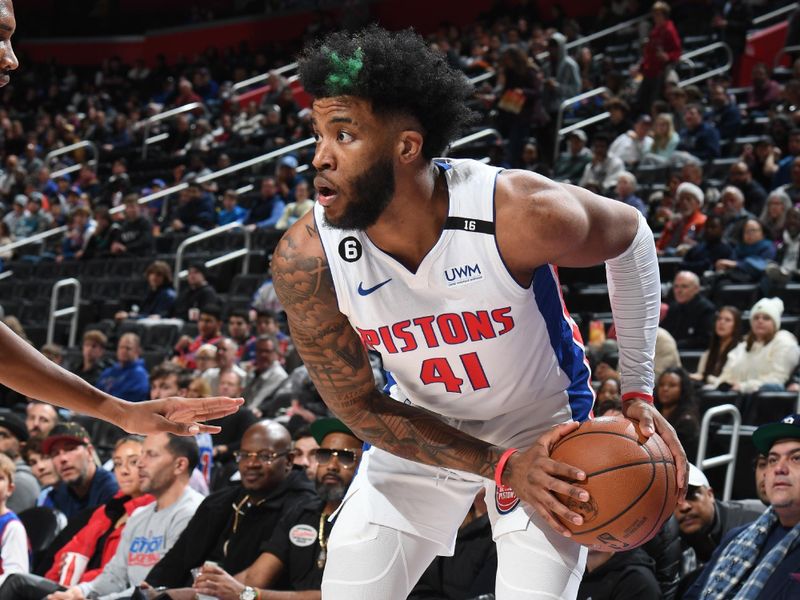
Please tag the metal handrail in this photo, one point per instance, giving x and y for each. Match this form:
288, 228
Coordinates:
782, 52
32, 239
190, 241
69, 311
482, 77
167, 114
263, 77
709, 73
729, 458
778, 12
604, 32
66, 150
567, 103
468, 139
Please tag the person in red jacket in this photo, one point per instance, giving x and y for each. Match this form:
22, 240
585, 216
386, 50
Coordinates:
662, 49
99, 538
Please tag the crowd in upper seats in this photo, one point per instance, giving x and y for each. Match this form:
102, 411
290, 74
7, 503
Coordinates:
251, 486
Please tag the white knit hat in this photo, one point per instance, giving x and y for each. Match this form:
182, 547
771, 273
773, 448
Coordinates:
772, 307
691, 189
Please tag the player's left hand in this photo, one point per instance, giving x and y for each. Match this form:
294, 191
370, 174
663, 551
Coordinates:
181, 416
651, 421
216, 582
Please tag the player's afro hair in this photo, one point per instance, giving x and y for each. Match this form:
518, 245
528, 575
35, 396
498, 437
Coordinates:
397, 73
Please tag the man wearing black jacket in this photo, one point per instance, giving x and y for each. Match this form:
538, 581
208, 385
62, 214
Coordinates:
197, 294
691, 315
135, 234
231, 524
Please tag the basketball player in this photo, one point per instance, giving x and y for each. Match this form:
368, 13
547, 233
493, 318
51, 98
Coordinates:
29, 373
445, 268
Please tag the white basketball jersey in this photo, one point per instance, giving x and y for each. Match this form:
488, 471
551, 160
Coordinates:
460, 336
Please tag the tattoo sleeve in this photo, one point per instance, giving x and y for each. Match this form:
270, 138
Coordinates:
338, 364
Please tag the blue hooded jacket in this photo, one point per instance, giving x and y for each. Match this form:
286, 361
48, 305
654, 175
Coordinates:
129, 381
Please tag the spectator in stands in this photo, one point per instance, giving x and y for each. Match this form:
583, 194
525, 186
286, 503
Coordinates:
267, 207
160, 299
82, 483
13, 538
703, 256
704, 520
734, 214
732, 20
135, 234
665, 141
754, 195
13, 434
618, 121
41, 466
570, 164
35, 220
783, 174
786, 266
603, 171
685, 227
305, 448
53, 353
13, 218
267, 374
280, 563
164, 467
234, 426
209, 331
674, 398
699, 138
239, 331
195, 212
99, 538
611, 575
726, 336
690, 316
227, 352
766, 358
758, 560
773, 216
792, 189
764, 92
635, 143
196, 294
79, 228
750, 256
294, 210
531, 159
232, 523
762, 160
760, 470
562, 77
626, 192
659, 54
127, 378
231, 212
724, 114
40, 418
93, 359
104, 235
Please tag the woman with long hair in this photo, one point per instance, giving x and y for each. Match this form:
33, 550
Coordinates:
774, 214
674, 398
767, 356
665, 140
727, 334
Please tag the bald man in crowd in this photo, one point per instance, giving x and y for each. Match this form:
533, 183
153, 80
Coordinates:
690, 318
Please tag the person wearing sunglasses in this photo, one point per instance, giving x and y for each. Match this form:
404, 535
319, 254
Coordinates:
704, 520
232, 523
298, 549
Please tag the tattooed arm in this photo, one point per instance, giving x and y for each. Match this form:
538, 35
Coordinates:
339, 367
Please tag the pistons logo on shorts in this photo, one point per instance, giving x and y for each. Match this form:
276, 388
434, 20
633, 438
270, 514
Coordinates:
505, 499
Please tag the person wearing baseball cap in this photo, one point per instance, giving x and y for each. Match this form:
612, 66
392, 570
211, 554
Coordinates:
83, 484
14, 433
704, 520
571, 163
760, 560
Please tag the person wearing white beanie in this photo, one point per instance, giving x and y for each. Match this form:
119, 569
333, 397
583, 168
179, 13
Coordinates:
766, 358
686, 225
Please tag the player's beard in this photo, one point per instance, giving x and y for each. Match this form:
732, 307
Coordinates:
368, 196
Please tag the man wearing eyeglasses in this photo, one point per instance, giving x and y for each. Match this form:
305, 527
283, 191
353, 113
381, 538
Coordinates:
703, 519
297, 551
232, 523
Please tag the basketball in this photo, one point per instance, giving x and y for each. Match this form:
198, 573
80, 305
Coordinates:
631, 480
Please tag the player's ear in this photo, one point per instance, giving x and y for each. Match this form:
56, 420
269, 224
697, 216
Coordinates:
410, 145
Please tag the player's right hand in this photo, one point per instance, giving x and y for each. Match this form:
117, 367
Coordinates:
535, 478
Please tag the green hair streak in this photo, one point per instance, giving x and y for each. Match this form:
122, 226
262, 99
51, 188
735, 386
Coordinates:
344, 72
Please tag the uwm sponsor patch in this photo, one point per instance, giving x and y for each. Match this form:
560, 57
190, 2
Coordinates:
463, 274
505, 499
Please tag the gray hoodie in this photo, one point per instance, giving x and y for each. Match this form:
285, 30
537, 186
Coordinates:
566, 73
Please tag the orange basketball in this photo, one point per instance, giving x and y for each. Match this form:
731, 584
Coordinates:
631, 480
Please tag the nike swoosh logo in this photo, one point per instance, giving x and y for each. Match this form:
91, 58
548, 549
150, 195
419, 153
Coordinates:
368, 291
